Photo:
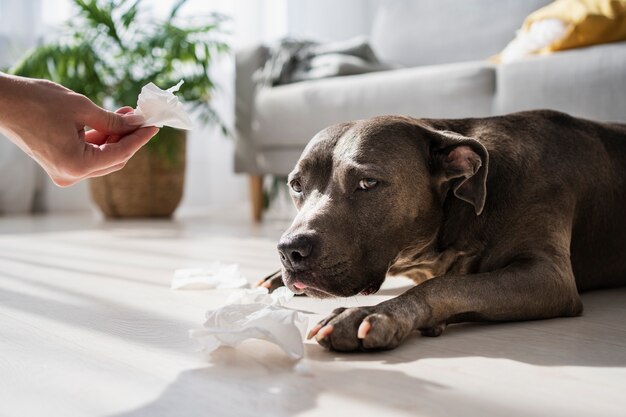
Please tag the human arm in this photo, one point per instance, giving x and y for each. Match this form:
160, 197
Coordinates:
49, 122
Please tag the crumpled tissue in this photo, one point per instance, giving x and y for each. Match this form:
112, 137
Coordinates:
255, 314
216, 275
162, 107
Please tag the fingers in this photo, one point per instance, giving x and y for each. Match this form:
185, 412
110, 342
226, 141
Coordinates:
100, 138
95, 137
102, 157
124, 110
66, 182
97, 160
104, 172
114, 138
108, 122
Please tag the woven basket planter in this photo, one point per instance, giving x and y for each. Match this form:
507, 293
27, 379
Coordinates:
150, 185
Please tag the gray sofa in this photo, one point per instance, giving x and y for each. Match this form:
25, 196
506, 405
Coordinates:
443, 46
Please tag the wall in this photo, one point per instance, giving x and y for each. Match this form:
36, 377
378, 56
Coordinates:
330, 20
19, 175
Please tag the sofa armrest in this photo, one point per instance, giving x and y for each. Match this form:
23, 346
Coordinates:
586, 82
247, 61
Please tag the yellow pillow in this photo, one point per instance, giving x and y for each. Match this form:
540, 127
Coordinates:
566, 24
587, 22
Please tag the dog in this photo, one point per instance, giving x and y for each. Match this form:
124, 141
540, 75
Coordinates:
495, 219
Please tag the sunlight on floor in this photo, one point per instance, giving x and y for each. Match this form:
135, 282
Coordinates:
89, 326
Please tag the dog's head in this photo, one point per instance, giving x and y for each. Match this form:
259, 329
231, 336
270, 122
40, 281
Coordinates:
365, 191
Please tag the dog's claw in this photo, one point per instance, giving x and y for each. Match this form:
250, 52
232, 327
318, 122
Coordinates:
313, 331
271, 282
364, 329
324, 331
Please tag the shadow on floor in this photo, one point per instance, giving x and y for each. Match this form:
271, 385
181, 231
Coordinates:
242, 383
237, 384
102, 315
597, 338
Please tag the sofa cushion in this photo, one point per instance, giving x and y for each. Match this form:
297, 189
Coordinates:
291, 114
586, 82
278, 161
427, 32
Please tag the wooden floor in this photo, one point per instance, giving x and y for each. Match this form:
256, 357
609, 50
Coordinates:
89, 327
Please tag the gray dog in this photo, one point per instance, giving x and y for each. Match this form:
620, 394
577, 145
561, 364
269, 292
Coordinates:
501, 218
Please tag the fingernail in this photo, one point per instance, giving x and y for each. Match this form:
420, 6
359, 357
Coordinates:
313, 331
364, 329
325, 331
134, 119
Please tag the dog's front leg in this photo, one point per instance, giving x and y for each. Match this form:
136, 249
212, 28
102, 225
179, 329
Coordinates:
529, 289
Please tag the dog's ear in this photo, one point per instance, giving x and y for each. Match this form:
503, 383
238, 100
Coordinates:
460, 163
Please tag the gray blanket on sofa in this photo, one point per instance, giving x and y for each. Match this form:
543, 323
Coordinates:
292, 60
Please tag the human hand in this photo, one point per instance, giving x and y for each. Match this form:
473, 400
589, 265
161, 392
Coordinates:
48, 122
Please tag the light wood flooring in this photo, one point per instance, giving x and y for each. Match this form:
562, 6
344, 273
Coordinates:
89, 327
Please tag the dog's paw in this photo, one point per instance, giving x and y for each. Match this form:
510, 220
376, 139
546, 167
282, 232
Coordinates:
360, 328
272, 281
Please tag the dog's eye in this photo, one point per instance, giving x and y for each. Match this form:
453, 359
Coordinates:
296, 186
367, 183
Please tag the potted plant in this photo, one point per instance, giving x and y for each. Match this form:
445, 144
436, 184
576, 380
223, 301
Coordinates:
107, 52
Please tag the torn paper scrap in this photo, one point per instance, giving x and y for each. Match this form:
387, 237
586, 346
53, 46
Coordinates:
162, 107
279, 297
215, 276
232, 324
255, 314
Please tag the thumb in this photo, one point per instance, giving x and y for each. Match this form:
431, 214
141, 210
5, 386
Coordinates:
111, 123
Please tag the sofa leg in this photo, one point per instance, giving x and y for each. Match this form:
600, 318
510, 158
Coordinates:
256, 196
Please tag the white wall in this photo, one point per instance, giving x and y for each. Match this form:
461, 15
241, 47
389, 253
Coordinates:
19, 175
330, 20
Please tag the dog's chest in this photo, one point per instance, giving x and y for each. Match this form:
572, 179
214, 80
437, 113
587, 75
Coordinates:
421, 265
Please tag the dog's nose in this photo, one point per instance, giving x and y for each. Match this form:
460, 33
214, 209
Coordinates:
295, 249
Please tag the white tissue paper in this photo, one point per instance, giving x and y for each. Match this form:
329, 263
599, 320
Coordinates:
162, 107
255, 314
215, 276
279, 297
